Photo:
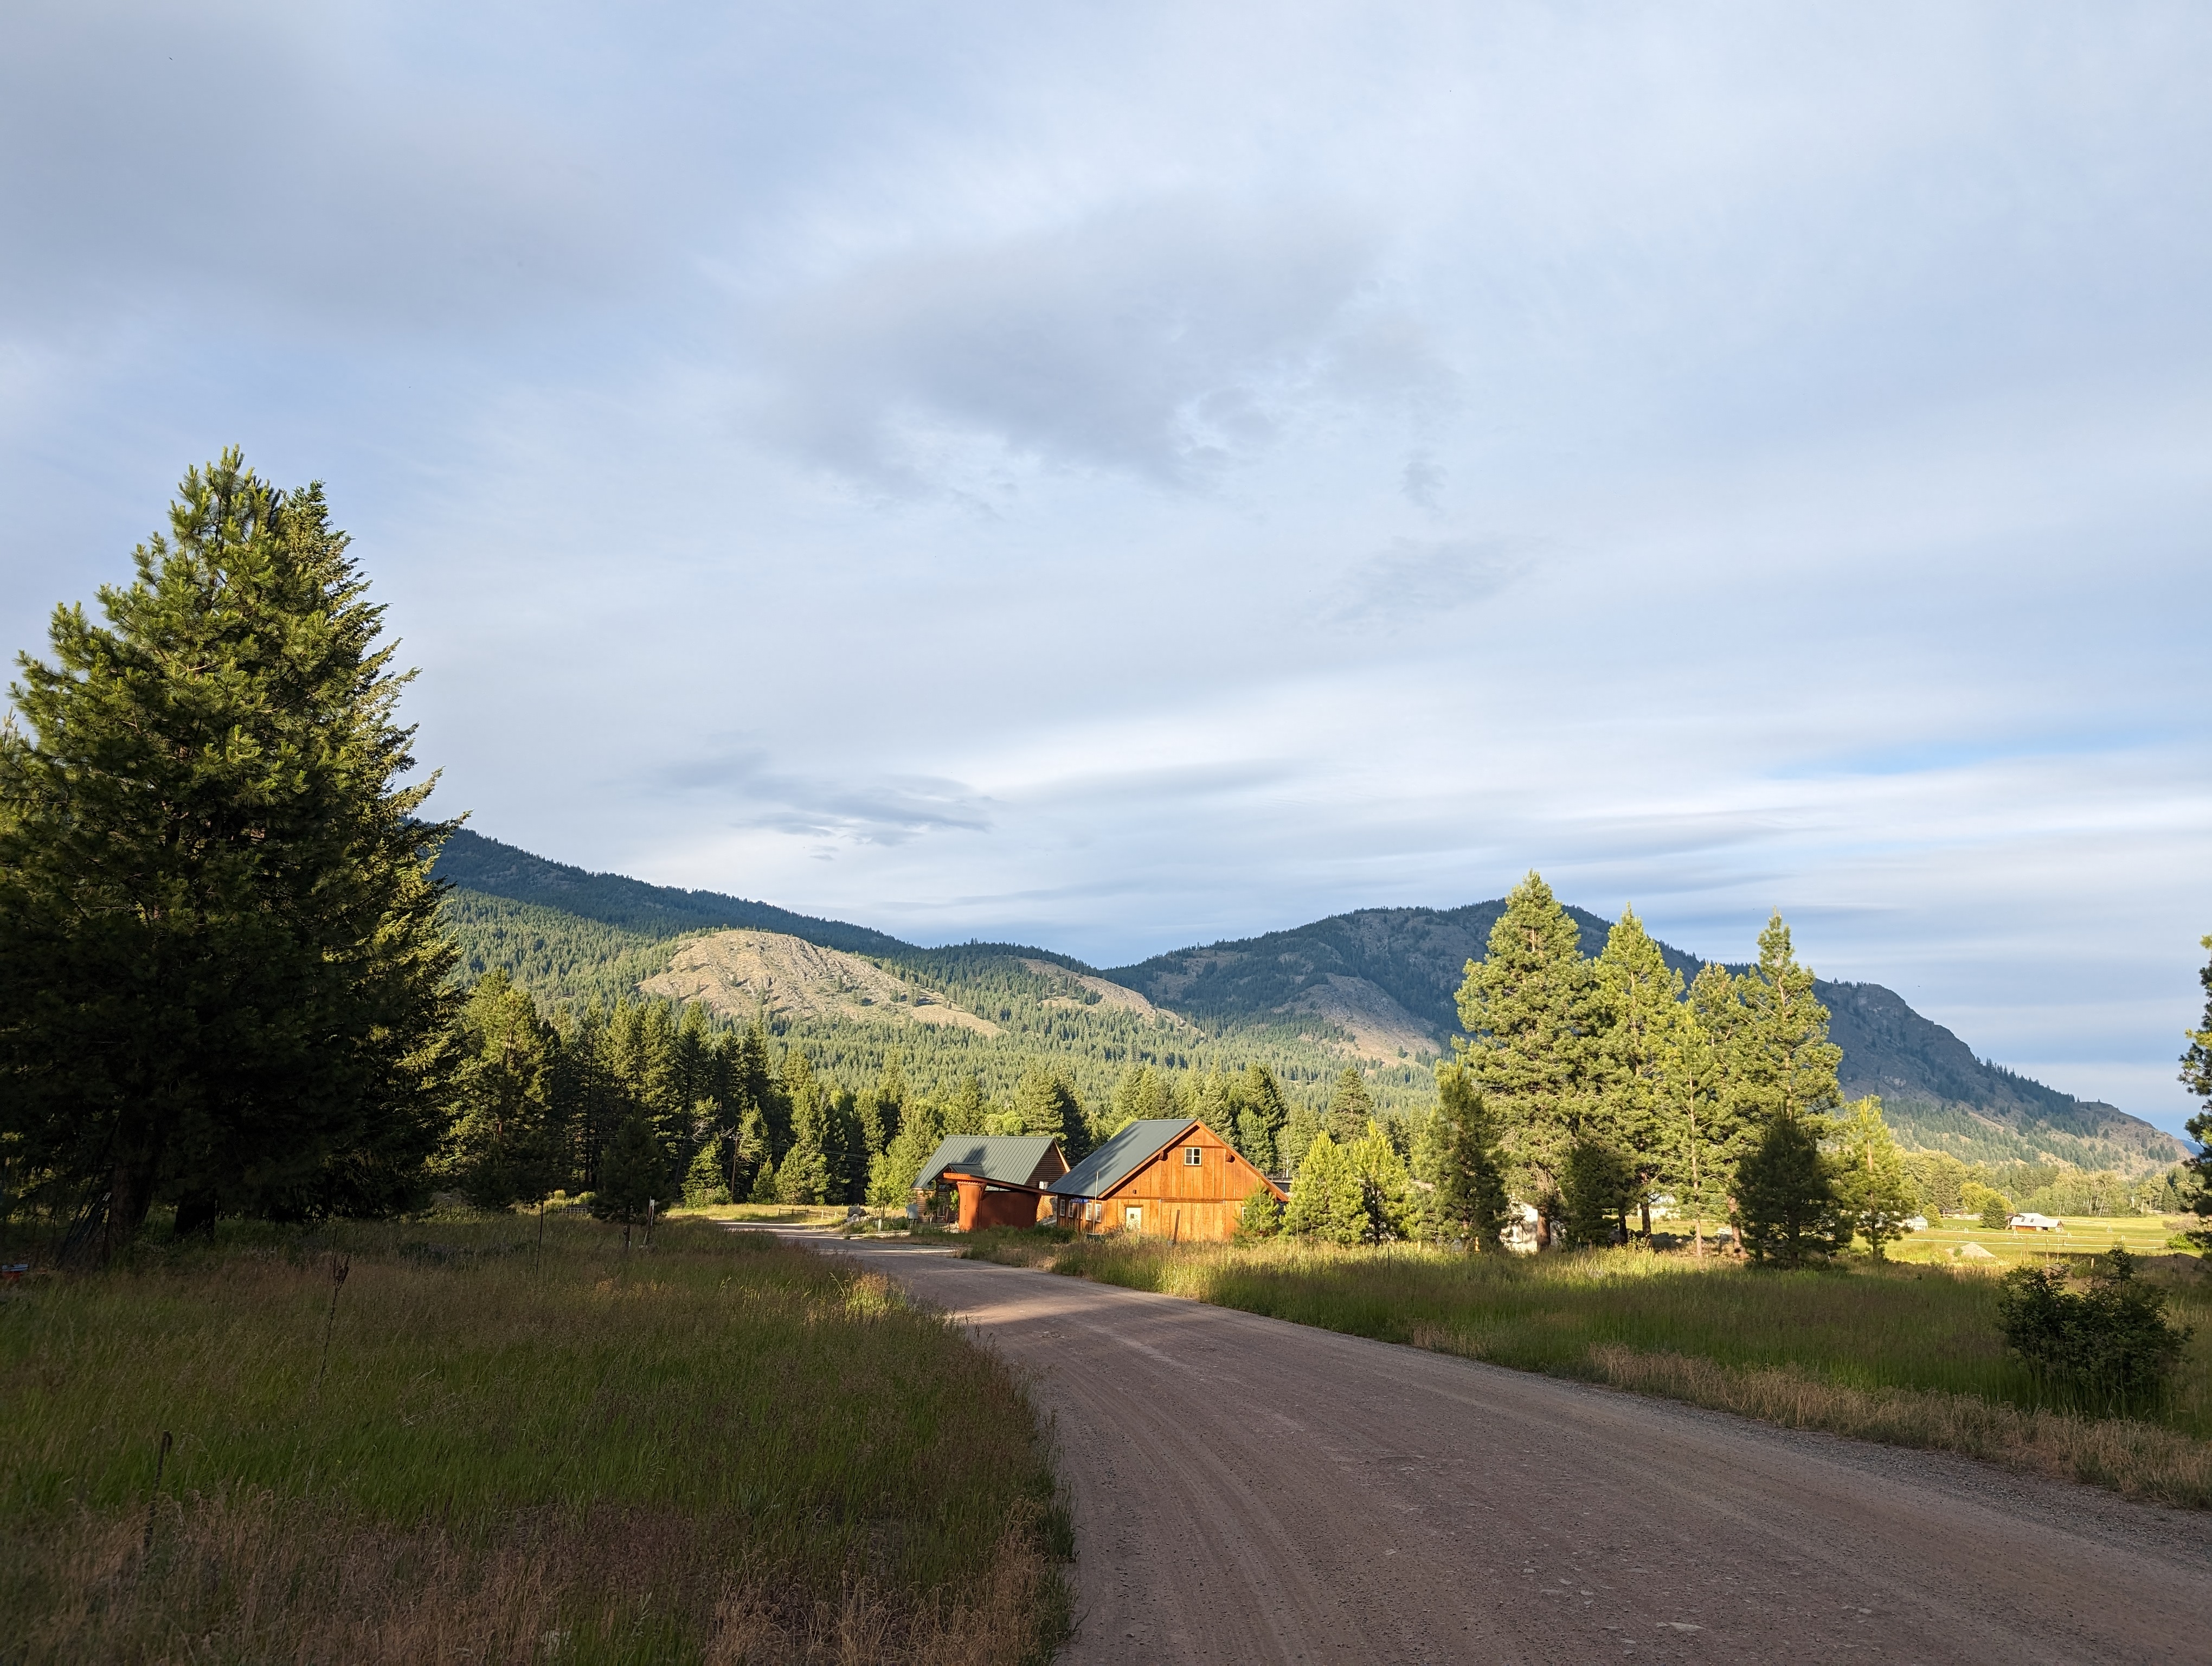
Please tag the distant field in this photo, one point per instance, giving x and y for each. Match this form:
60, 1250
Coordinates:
1909, 1355
720, 1449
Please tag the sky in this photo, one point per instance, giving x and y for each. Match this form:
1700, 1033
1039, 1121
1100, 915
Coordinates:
1122, 476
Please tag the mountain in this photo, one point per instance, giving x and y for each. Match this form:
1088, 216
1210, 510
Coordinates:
1375, 986
471, 862
1403, 966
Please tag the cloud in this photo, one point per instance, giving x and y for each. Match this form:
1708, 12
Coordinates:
1165, 341
888, 809
1417, 579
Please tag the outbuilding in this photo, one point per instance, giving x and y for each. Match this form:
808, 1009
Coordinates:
2028, 1222
1172, 1177
1000, 1178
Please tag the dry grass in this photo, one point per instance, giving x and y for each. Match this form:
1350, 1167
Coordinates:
1909, 1356
725, 1450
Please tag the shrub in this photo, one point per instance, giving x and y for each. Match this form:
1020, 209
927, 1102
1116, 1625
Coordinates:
2106, 1351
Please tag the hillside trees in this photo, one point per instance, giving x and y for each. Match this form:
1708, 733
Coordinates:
505, 1144
221, 978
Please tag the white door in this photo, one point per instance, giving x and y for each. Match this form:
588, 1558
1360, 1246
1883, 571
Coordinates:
1133, 1218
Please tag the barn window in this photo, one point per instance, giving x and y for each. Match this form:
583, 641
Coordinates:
1192, 1157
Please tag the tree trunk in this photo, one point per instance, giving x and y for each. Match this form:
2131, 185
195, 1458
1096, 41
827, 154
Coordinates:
130, 1195
196, 1214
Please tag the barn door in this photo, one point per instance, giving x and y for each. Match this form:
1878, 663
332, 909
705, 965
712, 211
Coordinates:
1133, 1218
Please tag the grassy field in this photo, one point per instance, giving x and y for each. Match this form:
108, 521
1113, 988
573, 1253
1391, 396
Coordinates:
718, 1450
1908, 1354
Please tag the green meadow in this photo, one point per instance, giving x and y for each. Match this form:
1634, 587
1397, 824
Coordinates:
717, 1448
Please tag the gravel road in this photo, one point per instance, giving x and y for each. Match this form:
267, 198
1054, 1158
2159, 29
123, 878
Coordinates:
1247, 1490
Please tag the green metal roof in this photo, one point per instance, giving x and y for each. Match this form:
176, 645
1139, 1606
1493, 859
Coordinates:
1121, 1156
1021, 1160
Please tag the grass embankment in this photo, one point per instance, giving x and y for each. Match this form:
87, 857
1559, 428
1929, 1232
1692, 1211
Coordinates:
720, 1449
1906, 1355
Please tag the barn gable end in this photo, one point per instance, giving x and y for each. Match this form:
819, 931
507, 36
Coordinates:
1166, 1178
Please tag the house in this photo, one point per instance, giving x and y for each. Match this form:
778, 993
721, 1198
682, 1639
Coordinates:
1000, 1178
2031, 1222
1171, 1177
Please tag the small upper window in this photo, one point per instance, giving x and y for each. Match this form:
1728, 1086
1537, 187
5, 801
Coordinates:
1193, 1156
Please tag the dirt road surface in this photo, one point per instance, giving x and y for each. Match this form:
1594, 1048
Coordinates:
1247, 1490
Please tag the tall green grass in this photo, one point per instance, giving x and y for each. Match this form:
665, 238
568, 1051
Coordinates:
719, 1448
1899, 1354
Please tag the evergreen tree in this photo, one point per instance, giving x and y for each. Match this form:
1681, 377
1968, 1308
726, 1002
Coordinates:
1786, 1205
884, 1107
1261, 1111
633, 1174
1876, 1197
1326, 1198
1470, 1195
1262, 1217
967, 1109
1295, 1139
1143, 1093
748, 1068
891, 1176
504, 1147
2196, 1077
1351, 1107
1715, 1132
803, 1174
1596, 1190
1529, 1009
1783, 1063
1384, 1210
706, 1182
1045, 1102
1638, 1057
221, 976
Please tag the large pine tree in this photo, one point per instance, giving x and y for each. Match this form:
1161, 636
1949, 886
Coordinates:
1782, 1063
221, 976
1530, 1009
1470, 1194
2197, 1076
1637, 1055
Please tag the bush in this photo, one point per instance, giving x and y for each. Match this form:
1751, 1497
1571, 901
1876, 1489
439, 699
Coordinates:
2106, 1351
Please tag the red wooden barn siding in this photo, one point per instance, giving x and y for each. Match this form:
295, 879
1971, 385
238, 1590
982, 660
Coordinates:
1174, 1197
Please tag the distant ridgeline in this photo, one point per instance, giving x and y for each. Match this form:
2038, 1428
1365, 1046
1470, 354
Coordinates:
1375, 986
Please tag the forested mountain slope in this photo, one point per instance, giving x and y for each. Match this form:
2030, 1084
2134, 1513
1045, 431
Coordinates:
1375, 985
1936, 1093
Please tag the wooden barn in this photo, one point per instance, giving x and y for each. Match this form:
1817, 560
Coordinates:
1172, 1177
1000, 1178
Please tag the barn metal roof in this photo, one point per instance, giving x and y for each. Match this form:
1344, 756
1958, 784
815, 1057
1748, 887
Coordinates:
1021, 1160
1121, 1156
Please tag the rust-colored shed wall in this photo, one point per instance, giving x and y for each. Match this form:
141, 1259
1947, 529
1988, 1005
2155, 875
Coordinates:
982, 1207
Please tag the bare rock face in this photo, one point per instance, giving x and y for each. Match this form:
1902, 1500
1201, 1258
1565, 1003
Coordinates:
739, 973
